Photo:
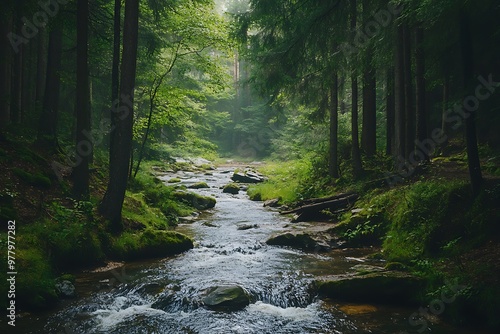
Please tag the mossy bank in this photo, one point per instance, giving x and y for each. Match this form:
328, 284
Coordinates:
55, 234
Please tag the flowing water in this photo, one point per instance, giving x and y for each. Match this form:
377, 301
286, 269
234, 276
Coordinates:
164, 296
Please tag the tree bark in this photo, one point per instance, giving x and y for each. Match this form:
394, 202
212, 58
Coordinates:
408, 86
84, 146
420, 88
334, 125
122, 121
5, 72
115, 67
41, 68
474, 164
391, 106
399, 97
336, 203
16, 92
369, 127
446, 100
357, 164
47, 134
369, 130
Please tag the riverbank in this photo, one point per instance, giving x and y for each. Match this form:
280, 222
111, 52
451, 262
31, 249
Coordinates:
427, 226
55, 236
175, 294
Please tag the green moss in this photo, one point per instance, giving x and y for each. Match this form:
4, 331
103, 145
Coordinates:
67, 277
34, 281
174, 180
150, 244
422, 218
136, 209
38, 180
197, 201
199, 185
396, 266
231, 188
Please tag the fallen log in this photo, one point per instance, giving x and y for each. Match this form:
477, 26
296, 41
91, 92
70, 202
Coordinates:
323, 199
315, 211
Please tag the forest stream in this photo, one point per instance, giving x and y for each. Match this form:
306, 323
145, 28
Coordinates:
165, 296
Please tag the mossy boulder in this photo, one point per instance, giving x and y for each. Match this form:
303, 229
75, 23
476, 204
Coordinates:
231, 188
300, 241
174, 180
226, 298
197, 201
381, 287
199, 185
150, 244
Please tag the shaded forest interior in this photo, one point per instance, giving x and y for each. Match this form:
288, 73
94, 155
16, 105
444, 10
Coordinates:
377, 98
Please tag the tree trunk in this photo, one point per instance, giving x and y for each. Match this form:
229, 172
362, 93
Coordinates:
357, 164
369, 130
122, 122
5, 72
41, 68
408, 86
115, 67
47, 134
84, 145
356, 152
29, 79
17, 79
391, 106
369, 127
399, 98
475, 174
334, 125
420, 88
446, 100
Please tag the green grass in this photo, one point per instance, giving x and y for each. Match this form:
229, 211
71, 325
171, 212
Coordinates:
135, 209
291, 181
424, 218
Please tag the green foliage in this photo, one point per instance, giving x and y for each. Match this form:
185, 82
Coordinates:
420, 218
71, 237
37, 179
292, 181
181, 70
142, 215
7, 210
34, 282
149, 244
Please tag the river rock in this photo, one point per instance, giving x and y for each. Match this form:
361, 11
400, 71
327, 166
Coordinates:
301, 241
244, 227
247, 177
380, 287
272, 202
231, 188
226, 298
197, 201
65, 289
199, 185
366, 269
